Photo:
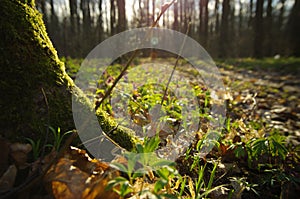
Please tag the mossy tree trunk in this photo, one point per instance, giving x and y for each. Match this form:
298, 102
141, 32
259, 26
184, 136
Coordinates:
31, 74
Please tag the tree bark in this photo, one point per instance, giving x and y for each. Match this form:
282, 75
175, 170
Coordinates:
35, 89
203, 4
217, 17
224, 29
112, 17
175, 23
121, 15
269, 29
258, 29
100, 23
293, 29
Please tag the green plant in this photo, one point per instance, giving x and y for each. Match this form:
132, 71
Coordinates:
272, 146
58, 137
198, 187
125, 187
35, 147
147, 161
240, 184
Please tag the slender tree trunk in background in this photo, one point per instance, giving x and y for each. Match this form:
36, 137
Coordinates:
240, 34
147, 13
175, 24
107, 18
86, 39
37, 90
206, 22
217, 17
258, 29
167, 13
232, 31
112, 17
73, 34
250, 20
153, 11
293, 29
142, 17
269, 30
186, 16
224, 29
181, 15
240, 26
73, 15
203, 22
281, 15
41, 5
100, 22
279, 30
54, 28
121, 15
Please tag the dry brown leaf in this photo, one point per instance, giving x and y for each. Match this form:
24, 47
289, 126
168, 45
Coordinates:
191, 187
8, 178
19, 152
76, 175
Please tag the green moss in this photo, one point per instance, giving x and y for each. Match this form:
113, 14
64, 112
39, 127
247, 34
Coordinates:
29, 66
121, 135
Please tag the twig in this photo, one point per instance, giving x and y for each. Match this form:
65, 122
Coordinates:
48, 123
175, 65
108, 92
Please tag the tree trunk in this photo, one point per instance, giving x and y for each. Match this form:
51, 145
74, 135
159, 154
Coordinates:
100, 23
217, 17
224, 29
142, 17
112, 17
258, 29
203, 22
175, 23
293, 29
153, 11
250, 14
32, 76
269, 29
181, 20
121, 15
147, 13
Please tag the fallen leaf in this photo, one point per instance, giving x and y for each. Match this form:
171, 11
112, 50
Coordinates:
76, 175
8, 178
19, 152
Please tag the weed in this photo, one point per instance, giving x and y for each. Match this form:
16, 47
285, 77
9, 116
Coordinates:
35, 147
58, 137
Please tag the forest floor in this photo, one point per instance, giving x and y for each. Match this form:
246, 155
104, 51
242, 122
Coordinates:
256, 156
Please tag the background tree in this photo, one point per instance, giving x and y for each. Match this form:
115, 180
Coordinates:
175, 24
258, 29
121, 15
268, 29
293, 29
112, 17
100, 22
224, 29
203, 21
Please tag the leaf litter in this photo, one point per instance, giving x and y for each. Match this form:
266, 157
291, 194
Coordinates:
258, 103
